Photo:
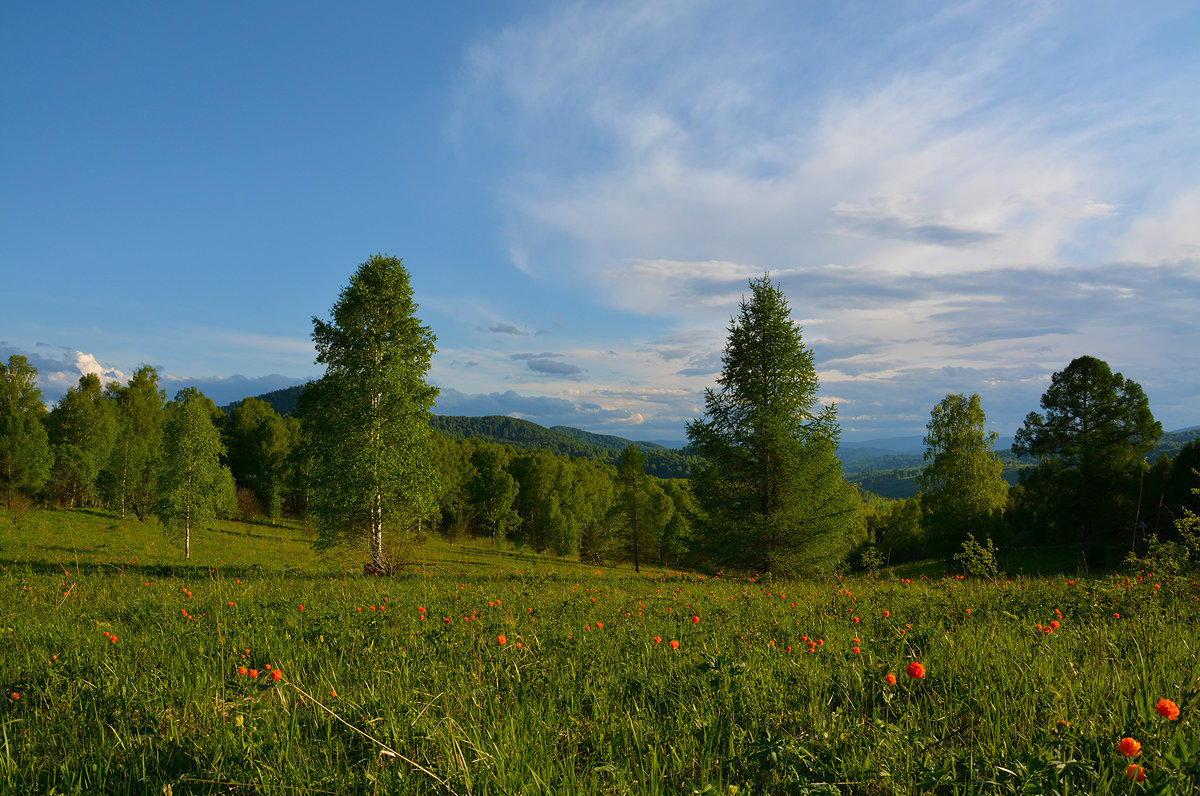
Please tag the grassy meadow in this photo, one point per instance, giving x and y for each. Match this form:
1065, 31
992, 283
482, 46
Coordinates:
481, 671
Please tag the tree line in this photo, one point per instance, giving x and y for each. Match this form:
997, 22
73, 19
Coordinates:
126, 448
359, 461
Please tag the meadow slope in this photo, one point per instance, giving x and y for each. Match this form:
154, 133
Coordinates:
481, 671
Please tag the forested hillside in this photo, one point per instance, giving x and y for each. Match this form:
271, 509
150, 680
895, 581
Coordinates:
564, 441
525, 435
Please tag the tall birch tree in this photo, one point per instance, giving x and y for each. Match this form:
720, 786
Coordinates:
193, 484
369, 414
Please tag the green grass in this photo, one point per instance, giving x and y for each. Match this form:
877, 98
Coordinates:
589, 702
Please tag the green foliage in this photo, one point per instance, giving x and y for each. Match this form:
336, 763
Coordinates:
193, 484
771, 488
493, 491
977, 559
283, 401
896, 527
1169, 558
259, 445
82, 429
963, 492
369, 414
1096, 428
642, 509
871, 559
25, 455
130, 479
564, 441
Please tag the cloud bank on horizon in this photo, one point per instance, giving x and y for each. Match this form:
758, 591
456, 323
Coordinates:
955, 198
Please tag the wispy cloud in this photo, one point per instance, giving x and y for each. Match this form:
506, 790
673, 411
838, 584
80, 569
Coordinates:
955, 198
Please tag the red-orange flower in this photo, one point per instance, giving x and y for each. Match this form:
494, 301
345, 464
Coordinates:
674, 644
695, 620
277, 675
253, 673
242, 670
1135, 772
890, 678
916, 670
501, 639
658, 639
1167, 709
1129, 747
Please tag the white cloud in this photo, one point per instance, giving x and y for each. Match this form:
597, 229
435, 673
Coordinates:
893, 186
1170, 236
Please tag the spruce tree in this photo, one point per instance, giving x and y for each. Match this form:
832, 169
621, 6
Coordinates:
771, 487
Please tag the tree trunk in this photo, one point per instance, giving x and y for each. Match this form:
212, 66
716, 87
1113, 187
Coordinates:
377, 558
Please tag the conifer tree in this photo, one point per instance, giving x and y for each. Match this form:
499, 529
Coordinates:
771, 487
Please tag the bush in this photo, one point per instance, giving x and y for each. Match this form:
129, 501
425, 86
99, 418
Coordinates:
977, 559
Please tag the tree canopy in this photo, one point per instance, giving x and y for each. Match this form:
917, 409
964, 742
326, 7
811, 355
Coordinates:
771, 488
193, 484
1094, 428
962, 487
25, 456
369, 414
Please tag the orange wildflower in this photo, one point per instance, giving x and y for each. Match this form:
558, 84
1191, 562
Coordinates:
1129, 747
1167, 709
501, 640
1135, 772
658, 639
674, 644
695, 620
242, 670
889, 678
253, 673
916, 670
277, 675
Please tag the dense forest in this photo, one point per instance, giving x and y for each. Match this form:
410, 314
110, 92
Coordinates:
359, 456
554, 490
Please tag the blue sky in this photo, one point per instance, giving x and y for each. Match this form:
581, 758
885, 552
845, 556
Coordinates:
956, 197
